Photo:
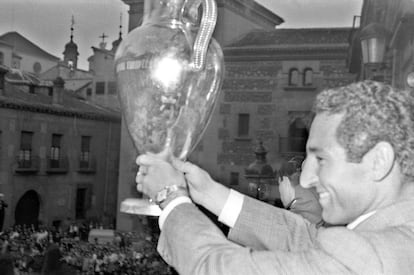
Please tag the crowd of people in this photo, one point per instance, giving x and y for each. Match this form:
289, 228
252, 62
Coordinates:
30, 250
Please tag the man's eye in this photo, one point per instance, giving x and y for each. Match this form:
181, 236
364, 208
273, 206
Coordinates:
319, 159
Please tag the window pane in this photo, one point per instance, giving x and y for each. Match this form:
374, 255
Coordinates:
84, 156
85, 143
100, 88
54, 153
293, 77
26, 140
56, 139
111, 87
27, 154
243, 124
308, 77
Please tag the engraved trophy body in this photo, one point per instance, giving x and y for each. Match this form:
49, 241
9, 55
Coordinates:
169, 74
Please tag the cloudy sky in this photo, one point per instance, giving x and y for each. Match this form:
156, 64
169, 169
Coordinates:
47, 22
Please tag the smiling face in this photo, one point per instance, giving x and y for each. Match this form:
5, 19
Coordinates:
345, 189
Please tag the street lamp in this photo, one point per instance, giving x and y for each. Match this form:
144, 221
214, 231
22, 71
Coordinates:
373, 43
259, 175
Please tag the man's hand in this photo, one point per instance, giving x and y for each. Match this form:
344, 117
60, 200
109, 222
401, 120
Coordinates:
154, 174
199, 181
203, 189
286, 190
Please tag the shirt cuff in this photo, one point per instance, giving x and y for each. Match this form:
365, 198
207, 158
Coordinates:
232, 208
167, 210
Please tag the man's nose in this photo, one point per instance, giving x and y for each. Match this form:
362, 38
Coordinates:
308, 177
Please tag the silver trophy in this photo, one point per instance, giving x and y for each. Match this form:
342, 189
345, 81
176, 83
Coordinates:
169, 73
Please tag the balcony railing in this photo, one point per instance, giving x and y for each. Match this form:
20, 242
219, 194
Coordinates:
59, 165
292, 145
87, 165
27, 164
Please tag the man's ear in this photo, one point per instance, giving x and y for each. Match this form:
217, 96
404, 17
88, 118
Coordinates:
382, 159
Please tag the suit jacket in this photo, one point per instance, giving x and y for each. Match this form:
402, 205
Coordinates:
269, 240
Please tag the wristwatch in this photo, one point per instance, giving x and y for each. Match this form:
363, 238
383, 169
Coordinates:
290, 205
168, 193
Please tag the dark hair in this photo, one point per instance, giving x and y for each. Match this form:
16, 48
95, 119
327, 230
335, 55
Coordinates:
373, 112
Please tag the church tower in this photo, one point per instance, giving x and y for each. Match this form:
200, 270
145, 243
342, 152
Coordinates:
70, 55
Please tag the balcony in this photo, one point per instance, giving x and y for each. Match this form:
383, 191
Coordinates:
56, 166
292, 145
27, 164
87, 165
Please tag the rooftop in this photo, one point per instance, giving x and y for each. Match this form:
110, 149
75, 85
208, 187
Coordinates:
24, 45
299, 37
15, 97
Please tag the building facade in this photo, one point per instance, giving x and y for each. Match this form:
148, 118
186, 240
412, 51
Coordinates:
97, 84
59, 133
101, 65
271, 78
18, 52
59, 156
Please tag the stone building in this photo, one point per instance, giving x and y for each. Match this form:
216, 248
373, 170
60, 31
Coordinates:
97, 84
59, 156
271, 78
76, 80
101, 65
59, 149
17, 52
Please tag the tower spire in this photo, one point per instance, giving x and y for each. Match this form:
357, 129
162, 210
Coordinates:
116, 43
70, 54
72, 28
120, 26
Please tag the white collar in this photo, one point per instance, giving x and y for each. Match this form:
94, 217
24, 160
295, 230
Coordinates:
360, 219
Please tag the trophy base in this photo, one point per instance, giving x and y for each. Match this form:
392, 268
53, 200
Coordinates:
140, 207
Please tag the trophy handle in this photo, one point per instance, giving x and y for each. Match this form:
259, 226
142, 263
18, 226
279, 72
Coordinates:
207, 25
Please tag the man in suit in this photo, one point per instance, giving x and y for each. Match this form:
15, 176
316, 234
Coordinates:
360, 159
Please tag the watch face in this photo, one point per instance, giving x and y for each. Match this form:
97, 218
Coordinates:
410, 79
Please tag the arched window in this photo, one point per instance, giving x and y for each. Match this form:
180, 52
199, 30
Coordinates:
1, 58
308, 77
293, 77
